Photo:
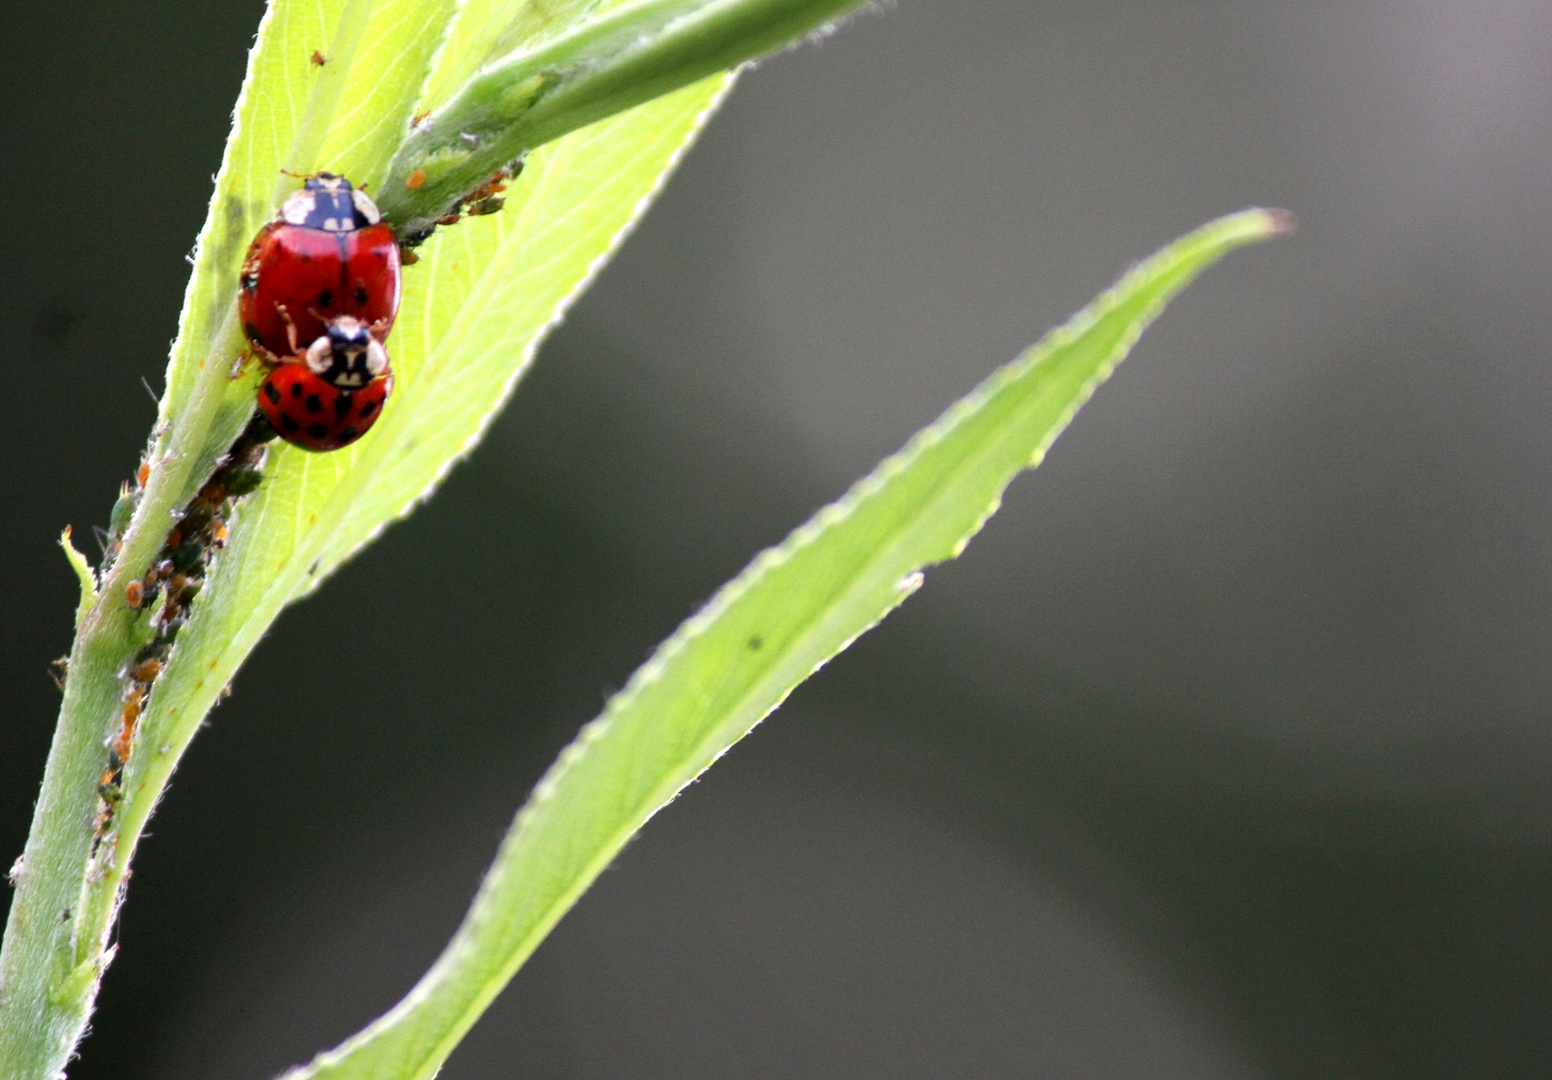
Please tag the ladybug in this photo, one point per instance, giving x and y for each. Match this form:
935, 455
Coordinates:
329, 254
306, 410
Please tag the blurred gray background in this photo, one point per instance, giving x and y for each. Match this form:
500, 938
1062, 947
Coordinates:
1223, 753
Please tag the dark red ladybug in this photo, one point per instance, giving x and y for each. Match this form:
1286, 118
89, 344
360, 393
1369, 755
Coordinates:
329, 254
308, 411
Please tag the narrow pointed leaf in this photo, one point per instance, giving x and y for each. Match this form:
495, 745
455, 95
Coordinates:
618, 57
729, 666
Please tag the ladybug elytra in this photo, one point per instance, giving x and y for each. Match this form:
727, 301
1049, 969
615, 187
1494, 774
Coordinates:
308, 411
328, 255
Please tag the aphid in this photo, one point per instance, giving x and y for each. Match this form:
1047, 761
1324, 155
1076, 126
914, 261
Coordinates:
126, 733
319, 59
185, 555
328, 255
123, 510
134, 594
241, 482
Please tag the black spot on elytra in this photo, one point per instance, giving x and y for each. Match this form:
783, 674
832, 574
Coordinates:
271, 393
313, 403
368, 409
296, 389
342, 404
288, 422
317, 431
348, 435
326, 298
361, 296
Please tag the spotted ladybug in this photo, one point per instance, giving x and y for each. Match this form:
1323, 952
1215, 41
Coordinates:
307, 410
329, 254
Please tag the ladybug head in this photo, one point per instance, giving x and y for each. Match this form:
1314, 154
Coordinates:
347, 356
330, 203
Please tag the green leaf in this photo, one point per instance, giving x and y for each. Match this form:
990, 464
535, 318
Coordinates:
83, 573
293, 117
487, 29
729, 666
620, 56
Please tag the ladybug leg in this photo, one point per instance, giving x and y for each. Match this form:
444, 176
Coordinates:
379, 329
290, 327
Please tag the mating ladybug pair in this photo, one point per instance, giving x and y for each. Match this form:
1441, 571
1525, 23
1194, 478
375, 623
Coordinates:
320, 290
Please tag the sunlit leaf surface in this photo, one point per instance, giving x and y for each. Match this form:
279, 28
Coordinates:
790, 611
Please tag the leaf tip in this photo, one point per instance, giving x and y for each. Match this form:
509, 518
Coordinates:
82, 568
1280, 222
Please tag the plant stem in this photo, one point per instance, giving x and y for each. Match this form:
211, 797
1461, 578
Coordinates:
621, 58
43, 1002
67, 885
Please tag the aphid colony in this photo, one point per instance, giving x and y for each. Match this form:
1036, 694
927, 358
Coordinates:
319, 292
168, 588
